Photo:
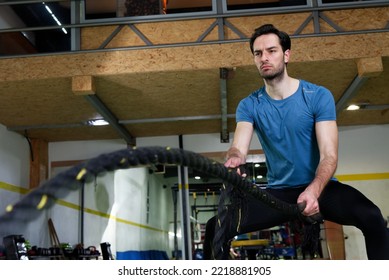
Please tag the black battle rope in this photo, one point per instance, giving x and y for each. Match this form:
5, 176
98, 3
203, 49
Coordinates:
43, 197
230, 213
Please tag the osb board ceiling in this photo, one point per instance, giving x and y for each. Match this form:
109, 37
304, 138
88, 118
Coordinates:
172, 94
161, 95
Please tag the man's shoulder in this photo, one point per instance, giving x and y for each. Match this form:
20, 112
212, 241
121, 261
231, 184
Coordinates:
309, 87
250, 101
258, 93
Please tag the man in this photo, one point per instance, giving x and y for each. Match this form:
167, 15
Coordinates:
295, 122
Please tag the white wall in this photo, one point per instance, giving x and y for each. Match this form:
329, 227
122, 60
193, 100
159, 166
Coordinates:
364, 150
14, 168
132, 225
15, 158
82, 150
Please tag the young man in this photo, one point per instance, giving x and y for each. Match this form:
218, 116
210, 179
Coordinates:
295, 122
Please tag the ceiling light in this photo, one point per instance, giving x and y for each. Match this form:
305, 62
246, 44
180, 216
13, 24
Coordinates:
197, 177
54, 17
353, 107
97, 122
257, 165
367, 106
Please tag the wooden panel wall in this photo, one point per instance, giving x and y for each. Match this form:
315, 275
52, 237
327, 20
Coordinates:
334, 241
38, 162
170, 59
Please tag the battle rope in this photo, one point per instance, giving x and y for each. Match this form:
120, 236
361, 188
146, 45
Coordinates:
43, 197
231, 209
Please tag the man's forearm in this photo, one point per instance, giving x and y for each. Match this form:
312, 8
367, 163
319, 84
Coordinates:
324, 173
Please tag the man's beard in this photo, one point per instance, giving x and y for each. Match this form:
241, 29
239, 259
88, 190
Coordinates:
273, 76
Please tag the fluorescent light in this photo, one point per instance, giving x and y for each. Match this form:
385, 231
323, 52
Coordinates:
172, 234
54, 17
97, 122
353, 107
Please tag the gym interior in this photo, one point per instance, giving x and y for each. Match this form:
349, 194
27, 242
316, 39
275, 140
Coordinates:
169, 74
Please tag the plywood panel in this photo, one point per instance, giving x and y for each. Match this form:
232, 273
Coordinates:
162, 95
75, 133
171, 32
180, 128
125, 38
286, 22
360, 19
188, 58
45, 101
376, 88
364, 117
341, 47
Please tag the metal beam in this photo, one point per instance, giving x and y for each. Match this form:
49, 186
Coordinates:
140, 35
176, 119
350, 92
207, 32
234, 29
374, 107
75, 32
224, 135
111, 36
139, 121
110, 117
183, 189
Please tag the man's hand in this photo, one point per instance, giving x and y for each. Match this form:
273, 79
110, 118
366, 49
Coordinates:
236, 154
236, 160
233, 162
308, 198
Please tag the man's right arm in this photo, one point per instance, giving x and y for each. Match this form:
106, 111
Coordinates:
237, 153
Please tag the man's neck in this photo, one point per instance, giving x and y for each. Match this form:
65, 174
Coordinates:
281, 87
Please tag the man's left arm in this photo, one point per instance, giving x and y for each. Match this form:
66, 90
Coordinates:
327, 138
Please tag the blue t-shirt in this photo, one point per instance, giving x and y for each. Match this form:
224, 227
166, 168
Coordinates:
286, 130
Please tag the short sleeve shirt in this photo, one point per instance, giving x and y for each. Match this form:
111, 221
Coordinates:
286, 131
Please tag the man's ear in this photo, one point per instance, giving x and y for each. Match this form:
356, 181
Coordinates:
286, 56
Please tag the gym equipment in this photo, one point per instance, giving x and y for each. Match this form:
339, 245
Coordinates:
15, 247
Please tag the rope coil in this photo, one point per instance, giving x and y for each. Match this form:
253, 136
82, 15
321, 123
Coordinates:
43, 197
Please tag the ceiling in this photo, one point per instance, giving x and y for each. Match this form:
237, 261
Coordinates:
161, 103
152, 104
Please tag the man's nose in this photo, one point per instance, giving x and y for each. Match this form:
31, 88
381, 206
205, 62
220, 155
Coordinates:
264, 57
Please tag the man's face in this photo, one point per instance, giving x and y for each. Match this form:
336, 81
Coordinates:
269, 57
